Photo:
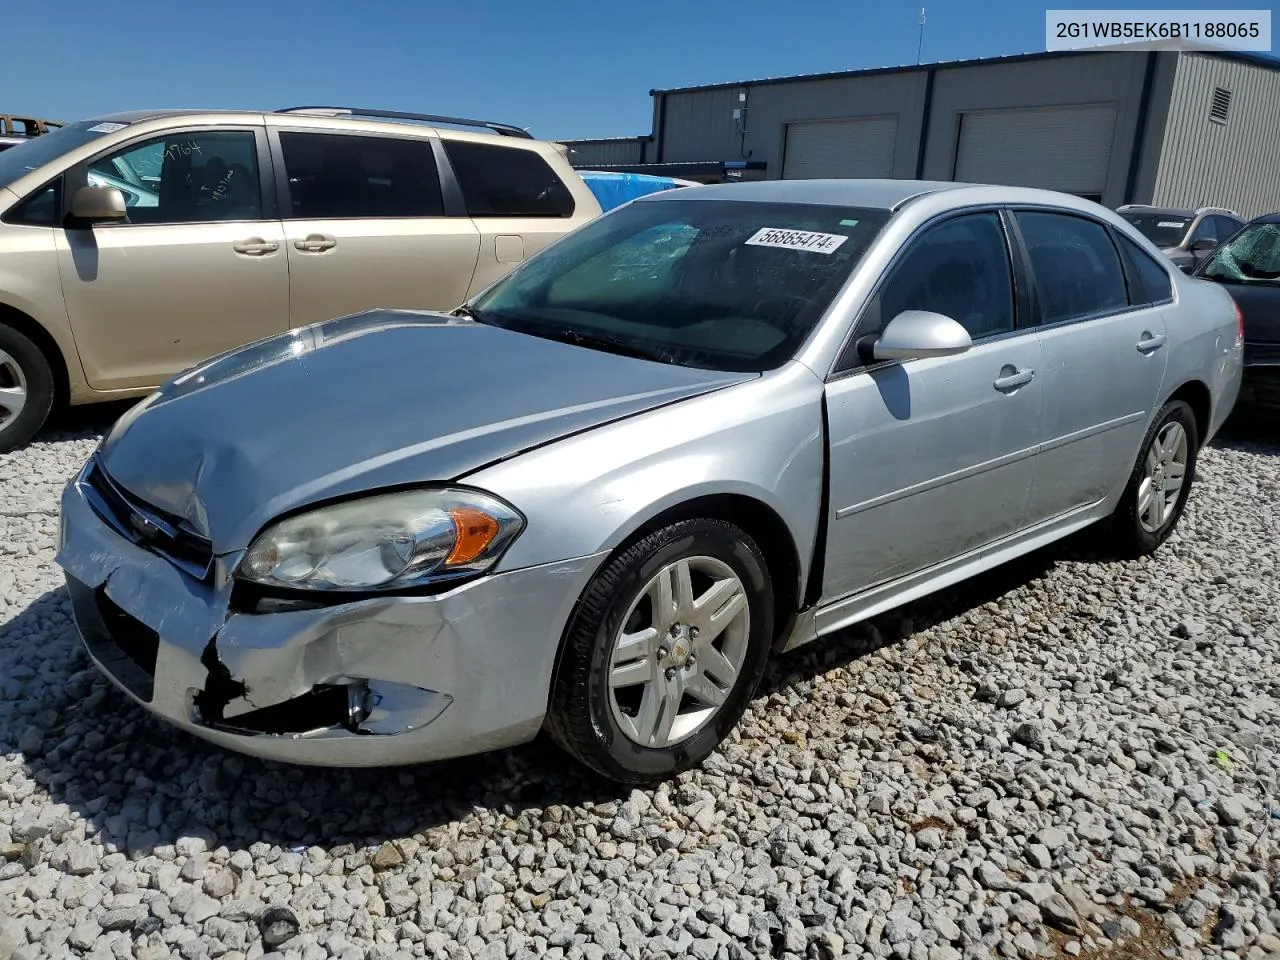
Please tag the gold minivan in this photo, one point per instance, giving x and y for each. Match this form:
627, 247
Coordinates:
135, 245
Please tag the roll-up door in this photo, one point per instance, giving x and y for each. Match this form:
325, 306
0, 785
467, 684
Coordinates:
1055, 148
857, 147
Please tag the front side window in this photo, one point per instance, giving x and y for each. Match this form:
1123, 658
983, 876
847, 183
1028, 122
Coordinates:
191, 177
959, 269
1076, 266
335, 176
507, 181
706, 283
1251, 256
1227, 226
1163, 229
1207, 229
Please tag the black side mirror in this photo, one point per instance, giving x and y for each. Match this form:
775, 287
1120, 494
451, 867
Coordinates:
1203, 246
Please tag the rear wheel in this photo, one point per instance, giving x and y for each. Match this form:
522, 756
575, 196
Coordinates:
1158, 488
26, 389
664, 652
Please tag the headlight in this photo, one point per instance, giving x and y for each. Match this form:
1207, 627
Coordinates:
391, 540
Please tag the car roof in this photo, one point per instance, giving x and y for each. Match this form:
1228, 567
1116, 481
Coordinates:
1267, 218
1158, 211
873, 194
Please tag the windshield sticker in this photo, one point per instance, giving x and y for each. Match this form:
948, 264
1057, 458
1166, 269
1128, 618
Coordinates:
1171, 223
848, 223
107, 127
796, 240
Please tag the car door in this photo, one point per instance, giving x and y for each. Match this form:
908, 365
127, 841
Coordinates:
1104, 357
197, 268
517, 202
932, 458
367, 227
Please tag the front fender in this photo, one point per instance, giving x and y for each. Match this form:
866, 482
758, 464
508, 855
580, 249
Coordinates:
762, 439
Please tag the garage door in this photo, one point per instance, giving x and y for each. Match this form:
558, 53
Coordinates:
861, 147
1057, 148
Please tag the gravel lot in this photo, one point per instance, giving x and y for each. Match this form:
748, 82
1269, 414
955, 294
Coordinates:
1064, 757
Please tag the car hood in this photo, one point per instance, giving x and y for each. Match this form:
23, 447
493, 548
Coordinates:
378, 400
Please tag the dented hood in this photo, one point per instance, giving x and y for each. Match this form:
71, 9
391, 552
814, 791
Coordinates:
378, 400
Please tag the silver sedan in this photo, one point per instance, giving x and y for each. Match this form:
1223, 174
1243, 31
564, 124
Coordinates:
714, 424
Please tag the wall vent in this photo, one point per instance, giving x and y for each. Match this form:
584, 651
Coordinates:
1220, 105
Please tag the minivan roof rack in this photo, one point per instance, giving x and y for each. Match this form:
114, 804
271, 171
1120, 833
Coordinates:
506, 129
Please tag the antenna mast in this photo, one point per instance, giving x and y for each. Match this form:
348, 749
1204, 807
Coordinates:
920, 42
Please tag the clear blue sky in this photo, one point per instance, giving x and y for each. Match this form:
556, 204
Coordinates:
565, 68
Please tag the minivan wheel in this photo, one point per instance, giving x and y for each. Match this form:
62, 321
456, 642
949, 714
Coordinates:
1158, 488
26, 389
664, 652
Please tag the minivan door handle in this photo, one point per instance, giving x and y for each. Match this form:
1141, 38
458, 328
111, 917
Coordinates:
1150, 342
255, 247
1011, 378
316, 243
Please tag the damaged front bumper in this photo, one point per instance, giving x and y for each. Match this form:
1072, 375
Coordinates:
381, 681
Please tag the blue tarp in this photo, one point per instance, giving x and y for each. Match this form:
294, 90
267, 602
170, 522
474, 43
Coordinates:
614, 189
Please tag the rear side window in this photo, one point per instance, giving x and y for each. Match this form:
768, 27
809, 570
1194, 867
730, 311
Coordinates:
1151, 280
1077, 269
507, 181
334, 177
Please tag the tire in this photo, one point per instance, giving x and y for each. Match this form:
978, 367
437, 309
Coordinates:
23, 367
610, 728
1134, 531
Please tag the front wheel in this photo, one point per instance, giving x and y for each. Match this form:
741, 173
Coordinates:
1158, 488
26, 389
664, 652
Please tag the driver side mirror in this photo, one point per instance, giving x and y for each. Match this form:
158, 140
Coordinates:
98, 205
915, 334
1203, 246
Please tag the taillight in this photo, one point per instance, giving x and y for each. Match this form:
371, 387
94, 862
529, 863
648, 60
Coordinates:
1239, 321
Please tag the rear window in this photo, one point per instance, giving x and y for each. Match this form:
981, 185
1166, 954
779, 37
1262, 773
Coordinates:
1152, 280
1162, 229
507, 181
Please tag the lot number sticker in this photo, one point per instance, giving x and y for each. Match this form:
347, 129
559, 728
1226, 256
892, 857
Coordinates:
796, 240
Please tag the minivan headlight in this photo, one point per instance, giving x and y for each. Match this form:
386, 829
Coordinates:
391, 541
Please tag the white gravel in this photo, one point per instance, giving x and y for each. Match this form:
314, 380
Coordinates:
1065, 757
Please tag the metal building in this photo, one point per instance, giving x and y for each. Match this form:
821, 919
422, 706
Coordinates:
1165, 127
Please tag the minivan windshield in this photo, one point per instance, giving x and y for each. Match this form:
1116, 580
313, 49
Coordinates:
717, 284
1163, 229
1251, 256
20, 160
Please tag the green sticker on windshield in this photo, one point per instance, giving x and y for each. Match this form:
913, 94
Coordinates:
848, 223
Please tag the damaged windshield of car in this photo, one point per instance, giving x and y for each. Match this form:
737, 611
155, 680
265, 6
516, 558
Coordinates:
1252, 257
717, 284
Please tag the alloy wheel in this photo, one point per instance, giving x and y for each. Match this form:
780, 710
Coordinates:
13, 390
1165, 470
679, 651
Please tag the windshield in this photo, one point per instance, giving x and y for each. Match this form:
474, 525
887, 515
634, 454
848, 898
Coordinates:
718, 284
1252, 256
20, 160
1162, 229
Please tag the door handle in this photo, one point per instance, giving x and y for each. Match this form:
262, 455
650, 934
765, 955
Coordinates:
1011, 379
255, 247
315, 243
1150, 343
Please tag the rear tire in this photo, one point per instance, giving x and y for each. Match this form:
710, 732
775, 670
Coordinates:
1160, 483
641, 694
26, 389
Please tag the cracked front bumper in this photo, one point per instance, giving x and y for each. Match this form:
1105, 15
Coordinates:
403, 679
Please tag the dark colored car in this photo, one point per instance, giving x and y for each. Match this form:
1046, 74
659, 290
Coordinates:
1184, 236
1248, 267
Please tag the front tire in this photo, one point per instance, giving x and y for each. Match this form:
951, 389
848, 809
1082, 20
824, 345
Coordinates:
664, 652
1157, 491
26, 389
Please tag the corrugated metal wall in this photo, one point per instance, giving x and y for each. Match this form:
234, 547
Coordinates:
1236, 164
622, 150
